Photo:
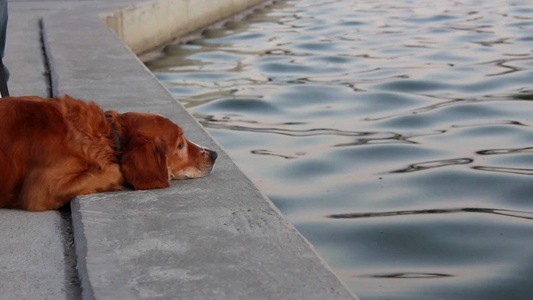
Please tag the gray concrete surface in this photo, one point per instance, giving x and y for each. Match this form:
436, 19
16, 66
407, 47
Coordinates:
212, 238
32, 263
24, 54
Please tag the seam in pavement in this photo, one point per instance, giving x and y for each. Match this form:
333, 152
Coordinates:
49, 71
72, 277
87, 292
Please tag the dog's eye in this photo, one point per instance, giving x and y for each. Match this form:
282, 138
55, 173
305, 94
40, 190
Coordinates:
180, 146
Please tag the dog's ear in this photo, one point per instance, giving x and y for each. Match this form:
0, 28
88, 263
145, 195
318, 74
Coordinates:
144, 164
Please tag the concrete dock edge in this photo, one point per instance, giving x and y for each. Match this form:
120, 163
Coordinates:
144, 26
217, 237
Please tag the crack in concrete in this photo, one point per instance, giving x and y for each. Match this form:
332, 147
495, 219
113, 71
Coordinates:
49, 71
72, 278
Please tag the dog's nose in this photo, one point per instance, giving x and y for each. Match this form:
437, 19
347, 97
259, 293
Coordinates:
213, 155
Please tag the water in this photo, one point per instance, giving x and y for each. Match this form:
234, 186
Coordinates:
395, 135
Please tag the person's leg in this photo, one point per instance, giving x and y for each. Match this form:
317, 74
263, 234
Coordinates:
3, 30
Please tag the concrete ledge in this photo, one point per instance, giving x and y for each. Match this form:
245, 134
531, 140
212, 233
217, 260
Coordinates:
211, 238
146, 25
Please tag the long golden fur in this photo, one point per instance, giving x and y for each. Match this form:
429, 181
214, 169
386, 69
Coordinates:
54, 149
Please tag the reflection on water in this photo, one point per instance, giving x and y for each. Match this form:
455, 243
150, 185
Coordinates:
396, 135
501, 212
407, 275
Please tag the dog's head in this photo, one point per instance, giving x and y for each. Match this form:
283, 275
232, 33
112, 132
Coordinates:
154, 150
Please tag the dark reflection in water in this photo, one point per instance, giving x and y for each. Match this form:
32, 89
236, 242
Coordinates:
434, 164
501, 212
505, 151
519, 171
395, 135
406, 275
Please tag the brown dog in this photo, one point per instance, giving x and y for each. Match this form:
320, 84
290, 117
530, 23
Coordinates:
54, 149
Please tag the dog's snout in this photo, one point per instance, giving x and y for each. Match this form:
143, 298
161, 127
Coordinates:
213, 155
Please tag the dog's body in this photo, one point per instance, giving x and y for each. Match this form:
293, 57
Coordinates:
54, 149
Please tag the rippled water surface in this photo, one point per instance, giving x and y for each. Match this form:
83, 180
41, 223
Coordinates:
395, 135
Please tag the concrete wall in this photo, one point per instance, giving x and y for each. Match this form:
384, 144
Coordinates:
146, 25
